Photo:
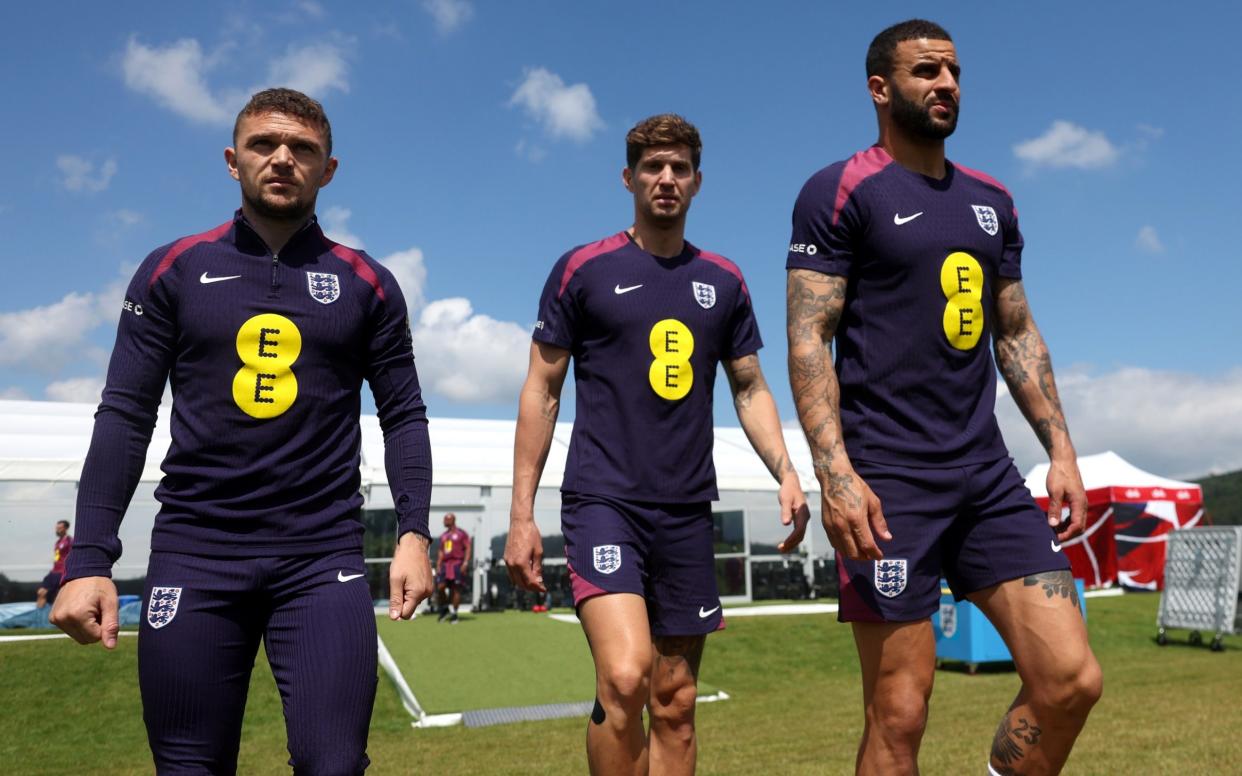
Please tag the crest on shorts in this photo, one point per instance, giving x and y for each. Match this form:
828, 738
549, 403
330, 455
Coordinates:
325, 288
704, 294
948, 620
890, 577
162, 607
607, 558
986, 217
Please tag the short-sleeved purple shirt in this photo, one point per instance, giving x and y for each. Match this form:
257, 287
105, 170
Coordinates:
645, 334
922, 256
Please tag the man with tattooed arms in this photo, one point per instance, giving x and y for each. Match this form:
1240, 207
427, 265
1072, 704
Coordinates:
912, 263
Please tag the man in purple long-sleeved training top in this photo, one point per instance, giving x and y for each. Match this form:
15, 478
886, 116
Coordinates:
265, 329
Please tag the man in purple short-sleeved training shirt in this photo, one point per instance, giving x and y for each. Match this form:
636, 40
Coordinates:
645, 317
452, 567
912, 265
266, 330
60, 555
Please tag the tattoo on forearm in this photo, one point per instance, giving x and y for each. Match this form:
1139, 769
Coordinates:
1022, 357
1059, 583
814, 305
1012, 743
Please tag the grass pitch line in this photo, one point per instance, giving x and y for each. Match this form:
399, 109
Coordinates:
47, 636
746, 611
421, 718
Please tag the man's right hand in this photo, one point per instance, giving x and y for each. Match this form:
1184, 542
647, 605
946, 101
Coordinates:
86, 609
852, 516
524, 555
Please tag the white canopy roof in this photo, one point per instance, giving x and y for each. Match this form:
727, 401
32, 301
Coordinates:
47, 442
1108, 470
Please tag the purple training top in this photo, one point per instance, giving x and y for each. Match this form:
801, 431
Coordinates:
645, 334
914, 360
266, 356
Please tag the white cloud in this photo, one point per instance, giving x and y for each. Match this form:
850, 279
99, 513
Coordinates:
564, 111
314, 69
1148, 241
13, 392
50, 336
80, 174
335, 223
77, 389
1170, 423
530, 151
449, 14
126, 217
469, 358
175, 76
311, 8
1066, 144
410, 271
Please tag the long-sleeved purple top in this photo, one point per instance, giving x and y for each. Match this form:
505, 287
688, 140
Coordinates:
266, 356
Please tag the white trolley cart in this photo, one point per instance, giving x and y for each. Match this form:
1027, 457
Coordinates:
1201, 576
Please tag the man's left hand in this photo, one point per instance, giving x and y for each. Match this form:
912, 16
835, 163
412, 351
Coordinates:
1065, 489
794, 511
409, 576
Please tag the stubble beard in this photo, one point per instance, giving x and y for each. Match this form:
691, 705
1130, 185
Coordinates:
291, 211
917, 120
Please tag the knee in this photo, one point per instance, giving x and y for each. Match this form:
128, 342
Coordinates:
321, 762
672, 707
901, 715
1076, 690
624, 685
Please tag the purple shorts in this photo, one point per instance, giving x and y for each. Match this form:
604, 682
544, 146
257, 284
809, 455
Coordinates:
450, 573
662, 552
976, 526
51, 583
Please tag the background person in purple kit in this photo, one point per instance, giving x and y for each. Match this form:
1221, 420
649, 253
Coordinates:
645, 317
60, 554
452, 566
912, 263
266, 330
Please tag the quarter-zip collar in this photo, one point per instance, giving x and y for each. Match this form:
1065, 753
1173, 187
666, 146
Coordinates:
247, 238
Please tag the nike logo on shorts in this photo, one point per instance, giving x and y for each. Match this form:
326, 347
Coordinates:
899, 219
341, 576
1055, 547
703, 615
205, 279
618, 290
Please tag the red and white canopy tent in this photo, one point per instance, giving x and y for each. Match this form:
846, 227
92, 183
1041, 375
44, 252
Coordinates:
1130, 514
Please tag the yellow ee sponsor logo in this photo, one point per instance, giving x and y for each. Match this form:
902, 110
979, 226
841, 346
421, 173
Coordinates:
265, 386
670, 374
961, 280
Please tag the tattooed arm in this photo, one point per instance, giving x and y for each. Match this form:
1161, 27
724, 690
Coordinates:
538, 405
1023, 359
851, 513
756, 409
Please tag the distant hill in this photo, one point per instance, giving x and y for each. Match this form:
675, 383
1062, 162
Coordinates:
1222, 497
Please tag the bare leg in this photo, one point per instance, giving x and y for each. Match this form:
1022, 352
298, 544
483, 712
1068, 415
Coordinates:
1038, 618
898, 662
674, 690
41, 598
617, 629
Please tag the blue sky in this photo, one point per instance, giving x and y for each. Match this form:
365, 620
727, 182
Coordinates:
479, 141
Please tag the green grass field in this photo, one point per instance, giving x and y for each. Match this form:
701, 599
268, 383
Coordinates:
795, 705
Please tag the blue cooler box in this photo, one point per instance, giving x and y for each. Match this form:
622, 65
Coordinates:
964, 635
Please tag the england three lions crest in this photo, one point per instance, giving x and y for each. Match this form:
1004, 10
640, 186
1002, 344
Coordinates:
162, 607
325, 288
607, 558
704, 294
986, 217
890, 577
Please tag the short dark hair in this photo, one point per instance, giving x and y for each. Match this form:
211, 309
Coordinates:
65, 523
662, 129
880, 52
291, 103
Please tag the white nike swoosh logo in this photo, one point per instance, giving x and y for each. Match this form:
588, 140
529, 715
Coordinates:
703, 615
1055, 547
897, 219
341, 576
204, 278
626, 290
